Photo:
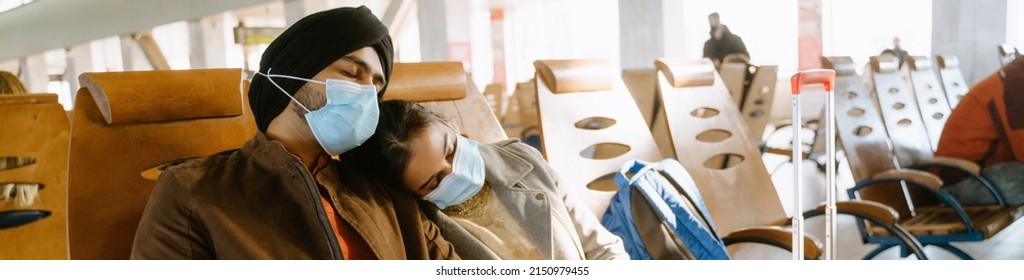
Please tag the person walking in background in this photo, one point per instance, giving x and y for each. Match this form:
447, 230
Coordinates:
722, 41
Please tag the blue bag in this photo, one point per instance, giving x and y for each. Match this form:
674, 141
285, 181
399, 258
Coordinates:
659, 214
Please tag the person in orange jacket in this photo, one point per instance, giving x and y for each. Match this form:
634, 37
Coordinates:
987, 127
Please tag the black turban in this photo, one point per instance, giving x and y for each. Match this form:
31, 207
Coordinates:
309, 46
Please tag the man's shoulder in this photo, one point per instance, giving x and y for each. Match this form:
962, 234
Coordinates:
188, 171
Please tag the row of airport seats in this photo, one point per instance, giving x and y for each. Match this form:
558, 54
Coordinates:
127, 126
122, 132
707, 135
881, 128
97, 171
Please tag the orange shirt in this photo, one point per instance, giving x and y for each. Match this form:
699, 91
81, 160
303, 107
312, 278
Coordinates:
353, 246
987, 127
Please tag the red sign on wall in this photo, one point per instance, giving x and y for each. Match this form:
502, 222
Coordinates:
809, 25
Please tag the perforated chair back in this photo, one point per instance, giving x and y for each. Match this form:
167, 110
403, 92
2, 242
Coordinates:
709, 139
33, 157
931, 100
585, 109
734, 76
952, 79
126, 127
860, 128
446, 88
899, 112
757, 103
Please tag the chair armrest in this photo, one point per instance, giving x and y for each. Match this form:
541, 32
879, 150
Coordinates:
879, 214
920, 180
964, 164
924, 178
780, 237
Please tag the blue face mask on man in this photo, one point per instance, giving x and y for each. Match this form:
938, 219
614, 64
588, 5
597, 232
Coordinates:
466, 179
348, 118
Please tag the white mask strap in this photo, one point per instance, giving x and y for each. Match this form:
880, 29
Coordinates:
269, 78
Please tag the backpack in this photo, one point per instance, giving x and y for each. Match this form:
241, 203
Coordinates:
659, 214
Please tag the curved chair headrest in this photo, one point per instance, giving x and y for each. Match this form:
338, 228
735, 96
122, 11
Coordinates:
562, 76
736, 58
427, 81
947, 61
884, 64
843, 65
165, 95
27, 99
687, 72
919, 63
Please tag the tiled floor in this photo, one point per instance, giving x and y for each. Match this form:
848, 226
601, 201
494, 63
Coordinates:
1007, 245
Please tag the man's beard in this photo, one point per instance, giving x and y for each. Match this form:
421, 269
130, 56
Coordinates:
312, 96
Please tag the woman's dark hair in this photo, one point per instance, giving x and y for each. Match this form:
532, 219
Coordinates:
385, 155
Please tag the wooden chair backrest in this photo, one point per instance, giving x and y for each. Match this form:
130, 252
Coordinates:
899, 112
495, 97
125, 124
931, 100
952, 79
571, 96
525, 94
446, 88
860, 128
641, 85
734, 76
757, 103
710, 141
35, 126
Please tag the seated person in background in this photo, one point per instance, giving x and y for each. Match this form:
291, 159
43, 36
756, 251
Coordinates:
281, 196
10, 84
504, 194
987, 127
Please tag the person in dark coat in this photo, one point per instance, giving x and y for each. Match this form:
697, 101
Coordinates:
722, 41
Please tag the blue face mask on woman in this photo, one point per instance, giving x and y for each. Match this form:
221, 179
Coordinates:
348, 118
466, 179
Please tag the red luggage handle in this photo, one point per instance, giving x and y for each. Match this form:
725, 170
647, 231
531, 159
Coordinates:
826, 77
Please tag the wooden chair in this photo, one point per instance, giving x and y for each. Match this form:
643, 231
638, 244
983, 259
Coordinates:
495, 97
934, 218
585, 109
446, 88
952, 79
527, 119
33, 156
126, 127
931, 100
735, 77
710, 142
757, 102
